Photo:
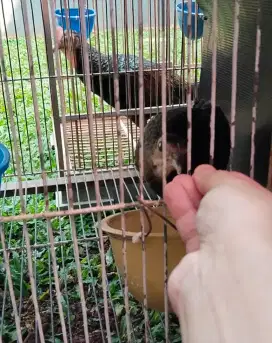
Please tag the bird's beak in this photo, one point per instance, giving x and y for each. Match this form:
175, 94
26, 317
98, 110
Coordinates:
175, 164
177, 167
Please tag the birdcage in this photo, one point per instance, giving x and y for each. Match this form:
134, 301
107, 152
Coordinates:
72, 198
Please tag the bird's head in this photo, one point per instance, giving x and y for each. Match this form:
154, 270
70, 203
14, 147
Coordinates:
68, 41
175, 156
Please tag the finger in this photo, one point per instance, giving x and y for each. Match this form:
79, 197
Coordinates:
190, 188
181, 196
182, 199
206, 178
186, 226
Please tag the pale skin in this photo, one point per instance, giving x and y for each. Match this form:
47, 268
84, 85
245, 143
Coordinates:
222, 289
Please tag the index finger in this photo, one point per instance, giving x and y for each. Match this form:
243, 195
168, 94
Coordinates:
181, 195
182, 199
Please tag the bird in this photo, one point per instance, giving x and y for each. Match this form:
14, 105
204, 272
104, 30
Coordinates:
176, 143
128, 95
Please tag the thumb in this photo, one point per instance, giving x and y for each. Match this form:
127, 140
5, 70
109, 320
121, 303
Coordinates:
234, 207
207, 177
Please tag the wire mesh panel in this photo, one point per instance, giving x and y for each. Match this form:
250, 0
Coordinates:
73, 111
242, 43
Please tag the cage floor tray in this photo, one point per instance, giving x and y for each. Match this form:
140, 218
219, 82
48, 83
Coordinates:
105, 138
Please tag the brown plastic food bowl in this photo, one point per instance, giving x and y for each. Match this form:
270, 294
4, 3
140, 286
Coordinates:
154, 253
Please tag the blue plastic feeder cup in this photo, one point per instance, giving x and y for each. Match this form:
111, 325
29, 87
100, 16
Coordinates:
182, 10
4, 160
74, 19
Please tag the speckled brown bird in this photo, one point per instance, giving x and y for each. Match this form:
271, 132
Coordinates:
129, 96
176, 143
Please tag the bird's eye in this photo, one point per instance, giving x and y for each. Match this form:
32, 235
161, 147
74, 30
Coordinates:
160, 145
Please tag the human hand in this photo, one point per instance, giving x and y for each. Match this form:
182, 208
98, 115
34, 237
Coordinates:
221, 290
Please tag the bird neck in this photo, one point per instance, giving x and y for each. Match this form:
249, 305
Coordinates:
96, 59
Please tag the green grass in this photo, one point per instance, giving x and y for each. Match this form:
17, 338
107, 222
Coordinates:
23, 111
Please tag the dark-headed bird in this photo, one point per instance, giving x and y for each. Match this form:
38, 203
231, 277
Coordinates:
128, 81
176, 143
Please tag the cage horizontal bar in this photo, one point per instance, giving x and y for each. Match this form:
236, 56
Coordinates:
60, 183
67, 75
74, 212
56, 244
127, 112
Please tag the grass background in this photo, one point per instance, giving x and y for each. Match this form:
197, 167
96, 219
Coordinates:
17, 67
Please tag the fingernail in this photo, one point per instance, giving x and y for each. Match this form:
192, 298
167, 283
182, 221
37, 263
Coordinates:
203, 170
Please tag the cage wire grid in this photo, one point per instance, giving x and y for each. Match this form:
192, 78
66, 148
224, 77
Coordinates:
72, 165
